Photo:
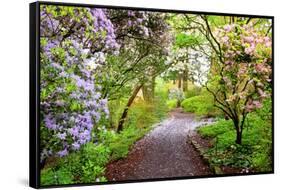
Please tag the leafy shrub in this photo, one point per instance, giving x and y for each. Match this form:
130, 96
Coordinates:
85, 166
213, 130
172, 103
93, 160
200, 105
56, 177
160, 109
161, 89
138, 114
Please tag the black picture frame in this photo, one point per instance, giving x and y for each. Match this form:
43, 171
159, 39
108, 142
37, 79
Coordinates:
34, 90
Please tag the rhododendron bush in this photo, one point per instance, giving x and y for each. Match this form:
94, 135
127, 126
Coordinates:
74, 44
75, 76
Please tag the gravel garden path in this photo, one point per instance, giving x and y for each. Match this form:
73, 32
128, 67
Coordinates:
163, 152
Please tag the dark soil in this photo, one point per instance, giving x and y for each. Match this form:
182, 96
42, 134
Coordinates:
162, 153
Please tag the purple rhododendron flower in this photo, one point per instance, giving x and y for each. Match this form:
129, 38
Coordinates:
63, 153
50, 122
75, 146
74, 131
61, 136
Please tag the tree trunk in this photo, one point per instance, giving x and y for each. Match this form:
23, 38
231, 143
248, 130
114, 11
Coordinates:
185, 80
178, 103
239, 137
238, 131
125, 112
148, 90
179, 84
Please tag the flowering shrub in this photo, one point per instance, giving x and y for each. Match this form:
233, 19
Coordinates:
241, 77
71, 101
246, 72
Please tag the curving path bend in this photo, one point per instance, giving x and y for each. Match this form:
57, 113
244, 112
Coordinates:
162, 153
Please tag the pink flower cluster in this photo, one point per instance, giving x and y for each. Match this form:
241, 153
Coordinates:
247, 64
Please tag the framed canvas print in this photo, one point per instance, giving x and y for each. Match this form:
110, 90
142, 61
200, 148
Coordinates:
121, 94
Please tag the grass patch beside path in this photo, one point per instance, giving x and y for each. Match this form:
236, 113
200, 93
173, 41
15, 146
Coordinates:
255, 152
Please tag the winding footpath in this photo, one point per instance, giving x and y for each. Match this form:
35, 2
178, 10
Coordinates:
162, 153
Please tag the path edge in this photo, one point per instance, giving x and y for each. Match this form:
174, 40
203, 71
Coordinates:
202, 152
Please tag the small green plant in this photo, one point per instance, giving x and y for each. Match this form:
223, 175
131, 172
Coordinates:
94, 159
56, 177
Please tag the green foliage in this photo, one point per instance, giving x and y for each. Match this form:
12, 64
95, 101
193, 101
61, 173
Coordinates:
217, 20
183, 40
172, 103
85, 166
138, 115
254, 153
161, 89
56, 177
213, 130
120, 145
116, 108
195, 91
160, 110
200, 105
93, 159
136, 126
162, 95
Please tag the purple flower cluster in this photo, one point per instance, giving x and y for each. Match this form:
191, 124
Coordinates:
50, 122
93, 21
71, 102
102, 24
138, 20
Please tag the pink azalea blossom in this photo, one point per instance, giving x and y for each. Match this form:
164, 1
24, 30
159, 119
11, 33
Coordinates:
268, 44
249, 39
225, 39
250, 50
227, 28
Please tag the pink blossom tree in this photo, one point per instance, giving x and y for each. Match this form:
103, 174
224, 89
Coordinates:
240, 76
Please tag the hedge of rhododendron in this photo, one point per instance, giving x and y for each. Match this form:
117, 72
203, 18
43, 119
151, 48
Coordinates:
71, 101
